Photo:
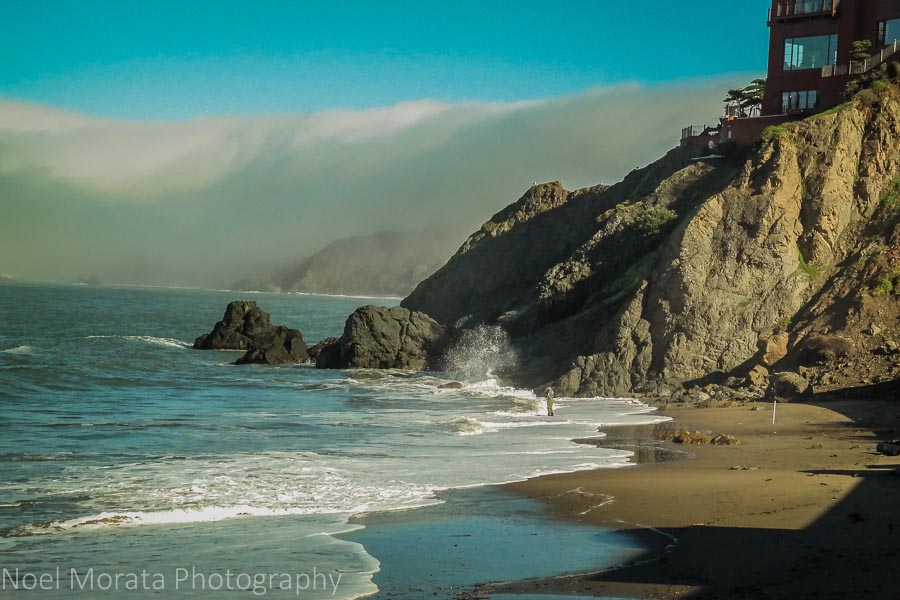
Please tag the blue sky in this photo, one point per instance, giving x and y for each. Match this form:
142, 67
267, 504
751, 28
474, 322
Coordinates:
165, 60
136, 133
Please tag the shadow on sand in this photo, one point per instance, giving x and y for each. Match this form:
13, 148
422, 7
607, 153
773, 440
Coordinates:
852, 551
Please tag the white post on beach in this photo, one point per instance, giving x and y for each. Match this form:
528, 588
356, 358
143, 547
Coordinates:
774, 408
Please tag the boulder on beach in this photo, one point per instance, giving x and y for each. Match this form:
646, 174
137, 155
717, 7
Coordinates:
245, 326
889, 448
385, 338
788, 387
758, 376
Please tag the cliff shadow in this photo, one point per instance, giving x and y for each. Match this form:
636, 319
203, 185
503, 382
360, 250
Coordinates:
849, 552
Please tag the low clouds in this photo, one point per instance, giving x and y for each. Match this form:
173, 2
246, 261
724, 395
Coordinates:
203, 201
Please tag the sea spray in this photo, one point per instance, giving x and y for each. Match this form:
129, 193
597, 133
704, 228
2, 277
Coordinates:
480, 353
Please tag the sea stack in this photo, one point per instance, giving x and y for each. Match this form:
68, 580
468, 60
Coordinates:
245, 326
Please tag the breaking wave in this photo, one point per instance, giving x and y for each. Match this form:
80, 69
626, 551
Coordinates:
147, 339
21, 350
480, 353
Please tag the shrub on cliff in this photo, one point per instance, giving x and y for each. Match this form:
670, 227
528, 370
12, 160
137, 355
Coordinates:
652, 222
888, 283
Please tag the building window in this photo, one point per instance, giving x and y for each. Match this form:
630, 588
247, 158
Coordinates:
810, 52
888, 31
799, 100
802, 7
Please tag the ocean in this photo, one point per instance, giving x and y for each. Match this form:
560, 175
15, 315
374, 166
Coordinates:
134, 466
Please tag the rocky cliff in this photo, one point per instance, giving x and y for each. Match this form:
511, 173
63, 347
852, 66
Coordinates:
388, 263
692, 271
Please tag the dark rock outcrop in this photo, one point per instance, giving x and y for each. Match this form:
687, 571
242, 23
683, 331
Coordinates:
385, 338
284, 350
889, 448
316, 350
245, 326
821, 349
687, 270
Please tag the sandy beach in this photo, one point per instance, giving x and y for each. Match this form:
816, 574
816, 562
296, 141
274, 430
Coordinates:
805, 508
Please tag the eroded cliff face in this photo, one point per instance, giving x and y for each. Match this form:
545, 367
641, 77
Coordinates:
686, 268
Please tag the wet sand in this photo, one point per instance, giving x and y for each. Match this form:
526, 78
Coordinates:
803, 509
476, 534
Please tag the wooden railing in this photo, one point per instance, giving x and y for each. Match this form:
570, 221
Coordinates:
858, 67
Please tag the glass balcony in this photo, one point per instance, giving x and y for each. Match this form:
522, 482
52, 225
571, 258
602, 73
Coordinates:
794, 9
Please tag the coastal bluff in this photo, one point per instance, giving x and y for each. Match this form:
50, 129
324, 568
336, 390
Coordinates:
697, 272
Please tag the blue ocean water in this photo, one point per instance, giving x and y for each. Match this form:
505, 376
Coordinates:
124, 451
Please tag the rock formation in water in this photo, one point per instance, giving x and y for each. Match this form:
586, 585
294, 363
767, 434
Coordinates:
388, 263
385, 338
786, 259
245, 326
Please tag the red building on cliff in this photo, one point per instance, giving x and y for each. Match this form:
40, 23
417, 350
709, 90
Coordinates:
810, 59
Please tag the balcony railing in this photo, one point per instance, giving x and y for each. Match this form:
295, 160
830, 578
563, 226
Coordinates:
698, 130
737, 112
858, 67
788, 9
691, 131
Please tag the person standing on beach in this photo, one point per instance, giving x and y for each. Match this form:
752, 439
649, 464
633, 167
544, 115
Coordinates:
549, 394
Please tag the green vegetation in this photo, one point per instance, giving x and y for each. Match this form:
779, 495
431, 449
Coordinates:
880, 84
890, 202
773, 131
888, 284
871, 252
745, 303
743, 102
865, 87
861, 50
830, 111
652, 222
807, 268
783, 324
890, 196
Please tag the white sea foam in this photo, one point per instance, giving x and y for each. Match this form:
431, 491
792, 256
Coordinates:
507, 438
317, 295
173, 517
314, 295
147, 339
491, 387
472, 426
21, 350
